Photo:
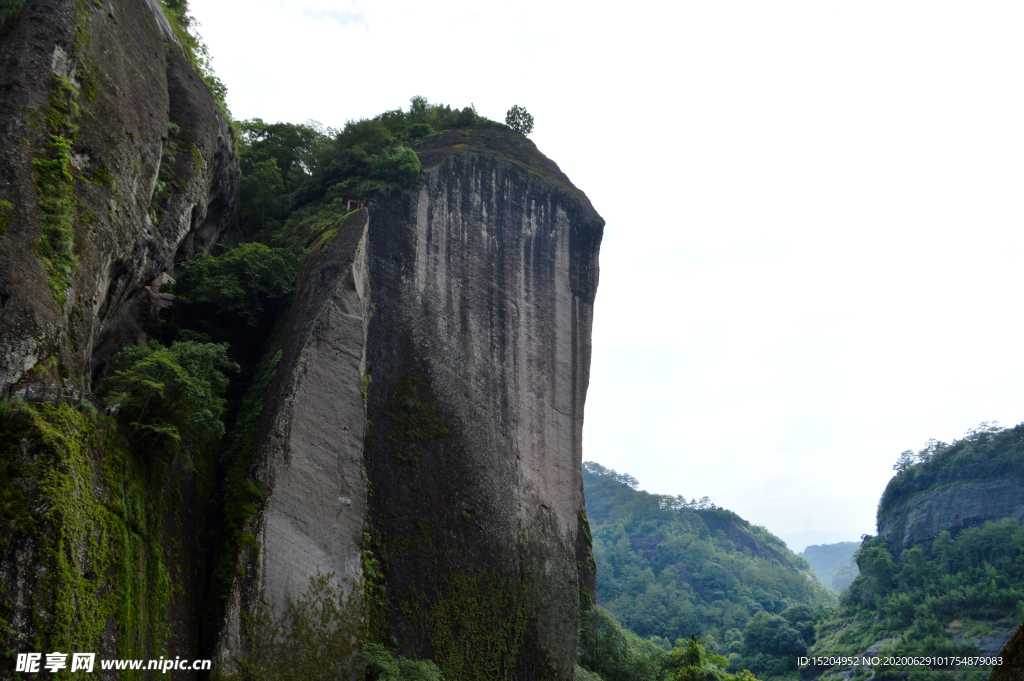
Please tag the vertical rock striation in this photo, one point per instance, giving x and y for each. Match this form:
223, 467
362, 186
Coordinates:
115, 162
469, 539
310, 446
484, 282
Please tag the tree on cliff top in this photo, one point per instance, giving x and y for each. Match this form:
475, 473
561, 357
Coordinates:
519, 120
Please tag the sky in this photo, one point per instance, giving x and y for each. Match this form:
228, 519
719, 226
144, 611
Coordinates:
813, 252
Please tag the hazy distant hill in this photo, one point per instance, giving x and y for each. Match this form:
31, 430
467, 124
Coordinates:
667, 568
833, 560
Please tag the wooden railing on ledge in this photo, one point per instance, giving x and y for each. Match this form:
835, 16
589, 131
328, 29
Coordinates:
47, 392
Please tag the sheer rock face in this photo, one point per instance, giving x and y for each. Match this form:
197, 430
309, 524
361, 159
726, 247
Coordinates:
484, 283
110, 81
477, 355
310, 456
951, 508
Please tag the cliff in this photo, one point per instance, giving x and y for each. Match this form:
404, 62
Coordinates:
403, 441
115, 163
476, 294
951, 509
943, 574
977, 479
484, 282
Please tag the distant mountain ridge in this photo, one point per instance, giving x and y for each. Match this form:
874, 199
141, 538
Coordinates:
667, 568
831, 561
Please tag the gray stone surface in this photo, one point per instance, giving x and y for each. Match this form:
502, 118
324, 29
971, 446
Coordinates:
484, 282
130, 88
952, 508
310, 449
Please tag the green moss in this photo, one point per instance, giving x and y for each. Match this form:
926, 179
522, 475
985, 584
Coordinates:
472, 621
7, 215
374, 590
242, 495
56, 186
89, 511
101, 177
9, 11
475, 622
412, 422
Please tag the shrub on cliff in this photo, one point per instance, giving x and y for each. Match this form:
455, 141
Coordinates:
289, 170
170, 397
245, 282
608, 649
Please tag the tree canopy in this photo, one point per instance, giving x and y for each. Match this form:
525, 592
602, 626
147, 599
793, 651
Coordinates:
667, 568
519, 120
171, 396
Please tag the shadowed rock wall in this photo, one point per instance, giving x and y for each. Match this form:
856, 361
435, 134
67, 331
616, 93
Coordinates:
114, 156
469, 538
115, 162
479, 350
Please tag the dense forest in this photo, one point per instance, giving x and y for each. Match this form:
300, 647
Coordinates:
668, 568
957, 593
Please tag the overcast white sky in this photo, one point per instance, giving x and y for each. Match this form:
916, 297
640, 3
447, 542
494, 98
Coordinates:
814, 242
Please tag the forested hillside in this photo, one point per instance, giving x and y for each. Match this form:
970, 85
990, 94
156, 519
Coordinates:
956, 591
668, 568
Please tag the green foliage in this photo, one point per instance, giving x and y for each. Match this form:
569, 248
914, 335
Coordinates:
668, 568
86, 511
773, 635
984, 453
172, 396
974, 575
290, 170
240, 496
294, 148
321, 637
9, 11
198, 55
475, 622
315, 640
969, 583
519, 120
56, 186
14, 415
261, 189
392, 170
586, 675
607, 649
844, 575
6, 215
245, 282
691, 661
380, 665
